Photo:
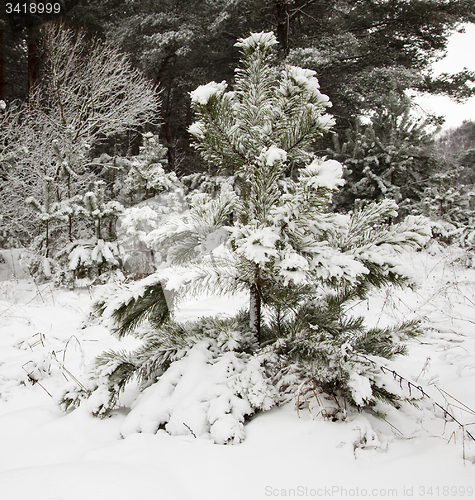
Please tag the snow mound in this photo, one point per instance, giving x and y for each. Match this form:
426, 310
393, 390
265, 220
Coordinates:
327, 174
202, 394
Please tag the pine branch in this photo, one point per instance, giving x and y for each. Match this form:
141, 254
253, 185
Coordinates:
132, 311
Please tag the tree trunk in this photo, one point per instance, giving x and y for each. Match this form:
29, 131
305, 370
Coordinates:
3, 83
47, 238
70, 217
167, 119
255, 311
33, 58
70, 227
282, 15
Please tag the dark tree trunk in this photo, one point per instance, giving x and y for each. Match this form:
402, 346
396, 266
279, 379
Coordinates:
255, 311
285, 15
47, 239
33, 58
282, 16
3, 83
167, 111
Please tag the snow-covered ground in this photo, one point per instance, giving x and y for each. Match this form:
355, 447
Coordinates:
46, 335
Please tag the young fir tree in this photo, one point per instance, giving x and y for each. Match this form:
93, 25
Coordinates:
154, 194
272, 236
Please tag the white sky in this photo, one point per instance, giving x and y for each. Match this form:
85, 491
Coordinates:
460, 55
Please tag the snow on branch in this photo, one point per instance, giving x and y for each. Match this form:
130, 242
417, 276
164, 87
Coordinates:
204, 92
257, 41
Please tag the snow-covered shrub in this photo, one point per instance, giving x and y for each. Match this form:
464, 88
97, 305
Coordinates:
98, 258
146, 171
91, 261
206, 183
119, 233
450, 205
137, 222
41, 267
133, 227
49, 213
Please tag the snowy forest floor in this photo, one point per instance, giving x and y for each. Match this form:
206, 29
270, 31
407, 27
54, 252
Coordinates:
46, 333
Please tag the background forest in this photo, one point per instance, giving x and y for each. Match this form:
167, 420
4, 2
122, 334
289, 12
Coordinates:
368, 57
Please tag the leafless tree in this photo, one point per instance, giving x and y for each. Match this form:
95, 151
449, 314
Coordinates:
89, 91
91, 87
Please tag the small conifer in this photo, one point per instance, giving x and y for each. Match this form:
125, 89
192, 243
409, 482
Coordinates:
272, 235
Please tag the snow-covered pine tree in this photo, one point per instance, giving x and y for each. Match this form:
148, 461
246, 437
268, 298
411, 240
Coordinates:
147, 173
273, 236
390, 154
49, 213
92, 258
153, 194
258, 132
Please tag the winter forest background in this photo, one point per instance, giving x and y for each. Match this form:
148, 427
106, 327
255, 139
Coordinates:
219, 212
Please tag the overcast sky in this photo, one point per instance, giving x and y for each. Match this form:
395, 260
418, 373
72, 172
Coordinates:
461, 54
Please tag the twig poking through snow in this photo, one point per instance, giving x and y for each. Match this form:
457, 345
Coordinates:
189, 428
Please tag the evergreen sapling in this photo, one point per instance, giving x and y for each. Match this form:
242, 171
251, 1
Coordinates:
271, 235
